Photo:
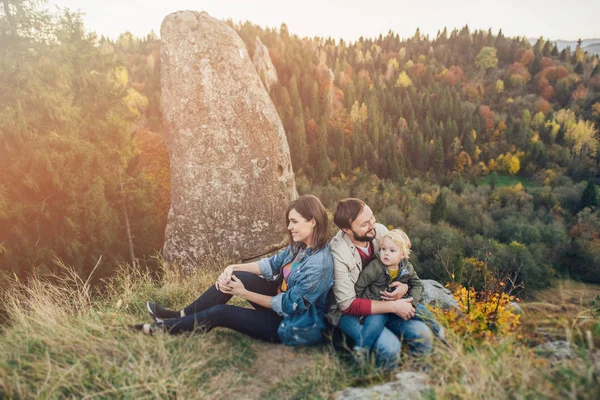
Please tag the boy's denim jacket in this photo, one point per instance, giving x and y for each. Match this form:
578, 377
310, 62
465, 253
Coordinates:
304, 304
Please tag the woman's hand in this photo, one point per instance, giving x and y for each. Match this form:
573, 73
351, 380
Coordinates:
225, 278
404, 309
235, 287
400, 289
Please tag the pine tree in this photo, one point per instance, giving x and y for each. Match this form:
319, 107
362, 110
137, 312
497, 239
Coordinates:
589, 197
439, 211
298, 143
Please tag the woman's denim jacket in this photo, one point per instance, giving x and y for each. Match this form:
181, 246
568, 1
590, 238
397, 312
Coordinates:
304, 304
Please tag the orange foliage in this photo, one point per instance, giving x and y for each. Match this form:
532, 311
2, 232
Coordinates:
518, 74
338, 98
481, 315
418, 71
546, 62
341, 120
487, 115
553, 74
580, 93
453, 75
312, 132
525, 57
546, 90
321, 75
543, 106
462, 161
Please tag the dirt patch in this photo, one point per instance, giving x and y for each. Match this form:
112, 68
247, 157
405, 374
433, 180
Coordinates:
274, 363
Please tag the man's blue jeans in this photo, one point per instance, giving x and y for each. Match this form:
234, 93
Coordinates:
417, 334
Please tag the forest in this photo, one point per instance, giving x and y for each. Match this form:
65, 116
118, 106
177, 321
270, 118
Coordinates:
484, 148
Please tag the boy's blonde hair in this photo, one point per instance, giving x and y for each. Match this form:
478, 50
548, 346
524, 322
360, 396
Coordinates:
399, 237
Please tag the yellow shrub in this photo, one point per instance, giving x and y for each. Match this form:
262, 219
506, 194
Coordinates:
481, 315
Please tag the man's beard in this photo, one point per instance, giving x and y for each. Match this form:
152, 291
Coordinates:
364, 238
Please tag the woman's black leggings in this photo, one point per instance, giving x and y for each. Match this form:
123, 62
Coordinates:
210, 311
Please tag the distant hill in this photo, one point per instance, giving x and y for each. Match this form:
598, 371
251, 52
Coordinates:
593, 48
562, 44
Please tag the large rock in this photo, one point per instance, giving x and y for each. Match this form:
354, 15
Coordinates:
408, 385
264, 66
437, 295
231, 174
557, 350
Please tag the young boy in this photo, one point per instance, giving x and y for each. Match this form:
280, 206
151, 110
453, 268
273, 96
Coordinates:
390, 265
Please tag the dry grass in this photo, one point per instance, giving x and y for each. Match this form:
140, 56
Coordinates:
67, 339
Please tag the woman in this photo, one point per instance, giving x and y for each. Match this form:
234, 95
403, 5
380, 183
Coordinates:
289, 299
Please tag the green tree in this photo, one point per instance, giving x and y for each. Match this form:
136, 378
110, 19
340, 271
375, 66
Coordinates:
64, 104
589, 197
486, 58
439, 210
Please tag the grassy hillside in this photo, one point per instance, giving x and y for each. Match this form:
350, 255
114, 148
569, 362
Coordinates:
67, 339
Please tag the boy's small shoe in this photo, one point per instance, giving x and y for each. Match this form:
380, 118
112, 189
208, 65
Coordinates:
361, 355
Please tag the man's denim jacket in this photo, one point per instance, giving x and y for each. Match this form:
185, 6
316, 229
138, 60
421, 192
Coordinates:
304, 304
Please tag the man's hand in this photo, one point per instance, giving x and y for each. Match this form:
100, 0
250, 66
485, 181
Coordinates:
404, 309
224, 279
400, 289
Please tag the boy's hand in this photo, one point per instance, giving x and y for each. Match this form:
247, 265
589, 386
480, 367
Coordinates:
400, 289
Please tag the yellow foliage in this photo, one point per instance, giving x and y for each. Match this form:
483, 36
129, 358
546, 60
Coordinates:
507, 163
403, 80
121, 77
427, 198
582, 138
499, 86
482, 169
135, 102
516, 188
549, 176
477, 152
596, 108
481, 315
462, 161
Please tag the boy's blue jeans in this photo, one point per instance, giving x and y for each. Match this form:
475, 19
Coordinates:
387, 344
374, 324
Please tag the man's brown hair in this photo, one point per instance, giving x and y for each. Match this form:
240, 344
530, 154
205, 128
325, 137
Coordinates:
310, 207
346, 212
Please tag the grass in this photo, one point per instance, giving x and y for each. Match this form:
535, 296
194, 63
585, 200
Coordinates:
65, 338
504, 180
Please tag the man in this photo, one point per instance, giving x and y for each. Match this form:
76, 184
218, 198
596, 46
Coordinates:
353, 247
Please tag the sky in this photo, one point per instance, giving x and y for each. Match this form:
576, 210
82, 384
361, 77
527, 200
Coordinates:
348, 19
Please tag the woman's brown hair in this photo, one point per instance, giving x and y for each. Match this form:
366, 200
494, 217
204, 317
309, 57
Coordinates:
310, 207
